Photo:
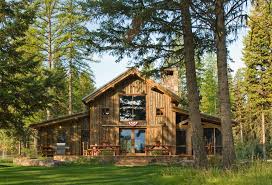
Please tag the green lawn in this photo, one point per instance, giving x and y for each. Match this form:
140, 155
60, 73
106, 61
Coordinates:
256, 174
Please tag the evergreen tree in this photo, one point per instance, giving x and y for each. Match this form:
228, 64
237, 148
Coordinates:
23, 82
219, 18
147, 32
208, 89
57, 38
76, 55
258, 60
239, 104
44, 42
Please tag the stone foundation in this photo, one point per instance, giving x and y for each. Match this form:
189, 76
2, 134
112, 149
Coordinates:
24, 161
130, 160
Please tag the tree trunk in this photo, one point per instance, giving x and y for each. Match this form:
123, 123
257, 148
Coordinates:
70, 82
50, 56
241, 130
70, 91
224, 97
263, 136
193, 97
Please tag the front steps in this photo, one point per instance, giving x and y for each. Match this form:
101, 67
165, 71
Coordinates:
132, 162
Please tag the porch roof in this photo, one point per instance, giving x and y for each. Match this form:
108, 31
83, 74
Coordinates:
204, 117
60, 119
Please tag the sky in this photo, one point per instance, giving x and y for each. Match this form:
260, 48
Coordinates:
107, 69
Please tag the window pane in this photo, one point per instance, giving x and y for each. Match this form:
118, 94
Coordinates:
139, 107
126, 108
132, 108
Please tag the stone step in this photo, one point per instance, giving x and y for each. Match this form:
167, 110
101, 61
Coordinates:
132, 162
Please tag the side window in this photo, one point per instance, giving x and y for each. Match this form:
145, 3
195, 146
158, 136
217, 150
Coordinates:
105, 111
159, 111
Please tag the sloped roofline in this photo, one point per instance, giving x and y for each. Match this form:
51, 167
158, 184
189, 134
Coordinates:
60, 119
130, 72
204, 117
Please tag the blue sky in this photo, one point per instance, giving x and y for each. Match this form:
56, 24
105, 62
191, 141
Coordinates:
107, 69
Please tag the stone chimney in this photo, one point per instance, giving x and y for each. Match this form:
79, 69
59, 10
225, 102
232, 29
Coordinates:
170, 79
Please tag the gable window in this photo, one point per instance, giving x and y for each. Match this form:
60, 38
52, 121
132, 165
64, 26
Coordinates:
132, 108
105, 111
159, 111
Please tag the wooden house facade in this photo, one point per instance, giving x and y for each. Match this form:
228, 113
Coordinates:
131, 114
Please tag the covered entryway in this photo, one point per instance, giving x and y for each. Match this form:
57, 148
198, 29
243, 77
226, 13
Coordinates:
132, 141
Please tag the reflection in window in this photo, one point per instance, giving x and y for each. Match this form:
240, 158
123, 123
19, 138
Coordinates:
132, 108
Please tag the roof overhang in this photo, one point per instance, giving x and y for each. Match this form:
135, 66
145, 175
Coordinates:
61, 119
204, 117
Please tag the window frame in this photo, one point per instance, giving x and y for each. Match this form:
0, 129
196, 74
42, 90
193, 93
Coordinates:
161, 109
132, 95
104, 113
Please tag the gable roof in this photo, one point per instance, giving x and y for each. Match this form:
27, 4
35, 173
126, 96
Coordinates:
61, 119
130, 72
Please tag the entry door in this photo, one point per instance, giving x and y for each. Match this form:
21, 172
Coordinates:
139, 136
132, 140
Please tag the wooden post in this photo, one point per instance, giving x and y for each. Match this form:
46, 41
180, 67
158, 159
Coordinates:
214, 142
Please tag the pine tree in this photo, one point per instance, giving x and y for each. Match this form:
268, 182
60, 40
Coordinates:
44, 42
76, 55
239, 104
218, 19
208, 89
146, 33
23, 82
258, 60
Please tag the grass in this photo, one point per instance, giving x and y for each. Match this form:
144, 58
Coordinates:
256, 174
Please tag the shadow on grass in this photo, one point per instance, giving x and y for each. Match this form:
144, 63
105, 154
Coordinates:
256, 174
78, 175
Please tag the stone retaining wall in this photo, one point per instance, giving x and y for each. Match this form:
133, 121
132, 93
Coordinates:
24, 161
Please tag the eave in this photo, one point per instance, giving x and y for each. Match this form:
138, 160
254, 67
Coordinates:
61, 119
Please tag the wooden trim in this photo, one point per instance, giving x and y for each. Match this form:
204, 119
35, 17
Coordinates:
60, 119
184, 122
204, 117
133, 72
140, 126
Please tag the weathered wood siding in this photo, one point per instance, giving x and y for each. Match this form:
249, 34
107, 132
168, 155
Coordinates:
47, 136
106, 127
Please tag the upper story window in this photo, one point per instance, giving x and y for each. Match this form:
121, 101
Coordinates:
132, 107
105, 111
159, 111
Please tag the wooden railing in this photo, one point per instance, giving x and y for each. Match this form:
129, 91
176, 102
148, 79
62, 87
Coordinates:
158, 149
96, 150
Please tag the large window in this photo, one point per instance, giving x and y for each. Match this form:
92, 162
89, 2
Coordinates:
132, 108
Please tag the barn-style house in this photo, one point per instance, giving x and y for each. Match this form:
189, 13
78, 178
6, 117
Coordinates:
131, 115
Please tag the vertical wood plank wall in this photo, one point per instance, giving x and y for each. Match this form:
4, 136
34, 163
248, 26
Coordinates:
47, 136
106, 127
